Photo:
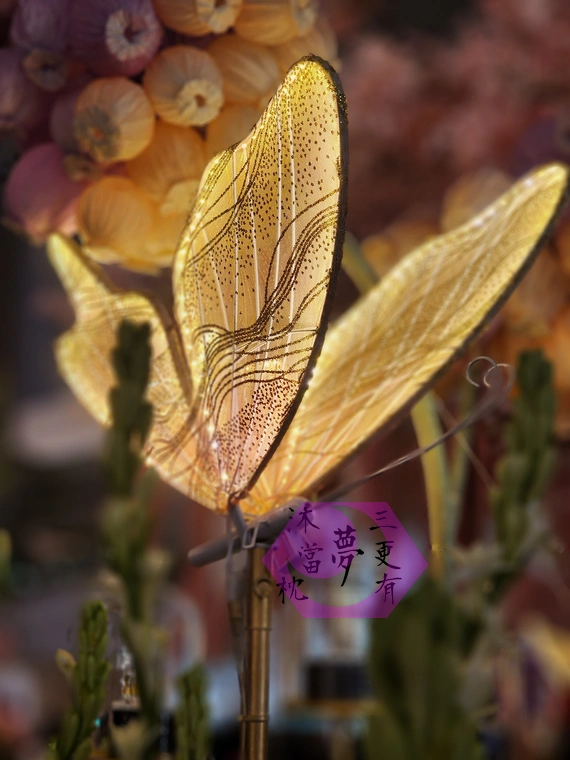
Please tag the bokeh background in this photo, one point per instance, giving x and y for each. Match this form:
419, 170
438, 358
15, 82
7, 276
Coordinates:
448, 102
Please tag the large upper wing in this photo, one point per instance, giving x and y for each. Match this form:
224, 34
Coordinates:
385, 351
254, 274
84, 358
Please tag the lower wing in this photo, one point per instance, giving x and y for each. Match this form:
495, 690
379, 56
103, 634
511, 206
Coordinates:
393, 344
83, 357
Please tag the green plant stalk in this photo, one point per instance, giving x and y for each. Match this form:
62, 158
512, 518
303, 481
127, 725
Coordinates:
126, 521
88, 678
426, 425
192, 717
436, 478
459, 466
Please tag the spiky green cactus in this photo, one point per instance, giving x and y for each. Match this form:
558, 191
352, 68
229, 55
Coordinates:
523, 473
88, 679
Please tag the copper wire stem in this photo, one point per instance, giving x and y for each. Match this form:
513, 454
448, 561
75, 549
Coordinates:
257, 629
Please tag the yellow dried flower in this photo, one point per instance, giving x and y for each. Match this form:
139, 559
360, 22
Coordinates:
250, 71
184, 86
169, 170
115, 220
320, 40
272, 22
113, 119
383, 251
537, 300
165, 236
198, 17
233, 124
471, 194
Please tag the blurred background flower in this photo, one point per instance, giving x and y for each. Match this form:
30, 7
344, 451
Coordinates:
142, 89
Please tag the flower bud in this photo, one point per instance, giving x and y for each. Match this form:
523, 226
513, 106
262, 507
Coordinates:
250, 71
198, 17
114, 36
21, 103
184, 86
40, 28
39, 197
115, 220
273, 22
470, 194
233, 124
113, 120
169, 170
320, 40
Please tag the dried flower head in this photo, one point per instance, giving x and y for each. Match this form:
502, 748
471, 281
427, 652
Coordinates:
250, 71
470, 194
114, 36
115, 220
272, 22
184, 86
61, 119
169, 170
22, 105
233, 124
40, 28
198, 17
113, 120
320, 40
163, 242
537, 300
39, 197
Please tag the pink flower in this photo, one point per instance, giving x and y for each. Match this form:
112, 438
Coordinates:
39, 197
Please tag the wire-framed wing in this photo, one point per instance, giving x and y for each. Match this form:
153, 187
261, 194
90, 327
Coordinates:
83, 356
393, 344
254, 274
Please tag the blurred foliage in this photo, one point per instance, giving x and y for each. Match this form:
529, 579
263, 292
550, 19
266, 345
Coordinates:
428, 654
526, 468
415, 656
127, 525
192, 716
131, 413
88, 678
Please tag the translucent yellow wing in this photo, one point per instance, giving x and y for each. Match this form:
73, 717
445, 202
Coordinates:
83, 357
253, 275
385, 351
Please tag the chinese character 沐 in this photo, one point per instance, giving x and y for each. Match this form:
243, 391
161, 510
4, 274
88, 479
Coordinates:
304, 514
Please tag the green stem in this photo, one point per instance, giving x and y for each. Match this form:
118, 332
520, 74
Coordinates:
426, 425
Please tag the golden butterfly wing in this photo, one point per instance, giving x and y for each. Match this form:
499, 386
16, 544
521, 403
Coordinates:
83, 355
253, 275
394, 342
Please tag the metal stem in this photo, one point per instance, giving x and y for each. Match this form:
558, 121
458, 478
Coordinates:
258, 607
